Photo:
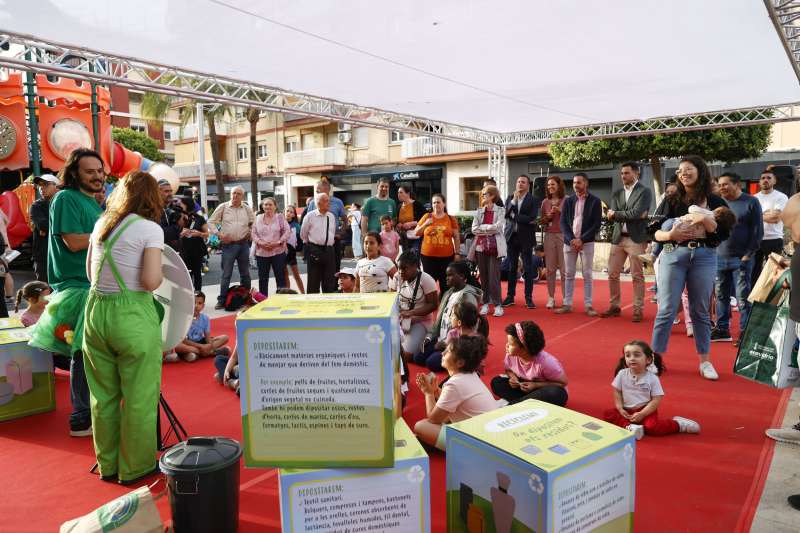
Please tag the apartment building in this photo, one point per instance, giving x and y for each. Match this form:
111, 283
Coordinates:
126, 112
293, 153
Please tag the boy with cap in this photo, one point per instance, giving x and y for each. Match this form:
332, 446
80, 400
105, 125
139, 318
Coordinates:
347, 280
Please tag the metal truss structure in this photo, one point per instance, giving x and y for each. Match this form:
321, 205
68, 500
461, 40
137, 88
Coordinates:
702, 121
785, 15
33, 54
498, 166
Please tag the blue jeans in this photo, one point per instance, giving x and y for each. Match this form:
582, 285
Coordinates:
733, 273
238, 252
514, 252
221, 361
694, 269
278, 264
430, 357
78, 393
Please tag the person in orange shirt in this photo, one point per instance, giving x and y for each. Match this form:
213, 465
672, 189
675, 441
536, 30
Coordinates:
440, 241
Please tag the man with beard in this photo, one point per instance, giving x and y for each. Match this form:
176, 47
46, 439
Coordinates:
73, 213
772, 203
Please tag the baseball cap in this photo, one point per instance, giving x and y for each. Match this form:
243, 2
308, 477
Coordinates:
347, 271
48, 178
163, 181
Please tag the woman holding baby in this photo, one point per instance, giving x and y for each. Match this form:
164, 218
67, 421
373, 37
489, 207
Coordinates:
691, 226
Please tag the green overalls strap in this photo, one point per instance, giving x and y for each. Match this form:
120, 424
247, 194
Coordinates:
122, 346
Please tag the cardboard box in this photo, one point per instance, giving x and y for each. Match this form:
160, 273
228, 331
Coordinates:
26, 377
12, 322
538, 467
317, 379
389, 500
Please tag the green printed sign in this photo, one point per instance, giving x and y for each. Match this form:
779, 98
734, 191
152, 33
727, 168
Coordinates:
317, 375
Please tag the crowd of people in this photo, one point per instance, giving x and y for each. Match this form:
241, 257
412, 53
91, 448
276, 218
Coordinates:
95, 266
709, 235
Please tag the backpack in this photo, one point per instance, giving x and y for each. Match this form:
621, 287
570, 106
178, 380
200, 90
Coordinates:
237, 297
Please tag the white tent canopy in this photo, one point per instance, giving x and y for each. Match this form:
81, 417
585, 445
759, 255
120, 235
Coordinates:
497, 66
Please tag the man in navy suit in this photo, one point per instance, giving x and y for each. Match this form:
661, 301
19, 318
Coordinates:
520, 233
580, 221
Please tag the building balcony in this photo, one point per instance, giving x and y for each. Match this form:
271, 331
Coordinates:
316, 160
189, 131
192, 170
428, 147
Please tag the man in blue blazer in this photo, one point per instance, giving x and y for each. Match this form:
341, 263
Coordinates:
580, 222
522, 209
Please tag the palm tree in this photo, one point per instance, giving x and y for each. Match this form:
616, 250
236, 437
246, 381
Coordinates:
154, 110
252, 117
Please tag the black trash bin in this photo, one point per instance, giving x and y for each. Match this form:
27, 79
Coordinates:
203, 480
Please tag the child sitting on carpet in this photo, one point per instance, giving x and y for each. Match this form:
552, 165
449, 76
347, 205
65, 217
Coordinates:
638, 393
198, 341
530, 372
35, 295
461, 397
465, 321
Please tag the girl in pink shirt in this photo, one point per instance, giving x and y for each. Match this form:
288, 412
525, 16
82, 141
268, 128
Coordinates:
530, 372
462, 396
390, 239
35, 293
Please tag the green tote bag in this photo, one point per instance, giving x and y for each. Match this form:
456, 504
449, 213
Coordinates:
768, 351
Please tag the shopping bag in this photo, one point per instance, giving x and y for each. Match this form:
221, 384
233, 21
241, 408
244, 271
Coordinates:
774, 266
134, 512
768, 349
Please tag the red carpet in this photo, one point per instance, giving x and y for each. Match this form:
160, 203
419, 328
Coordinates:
709, 482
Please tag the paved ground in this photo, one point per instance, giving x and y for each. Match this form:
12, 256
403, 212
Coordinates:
773, 514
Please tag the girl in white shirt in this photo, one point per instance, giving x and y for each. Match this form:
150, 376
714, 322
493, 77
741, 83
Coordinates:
638, 393
374, 271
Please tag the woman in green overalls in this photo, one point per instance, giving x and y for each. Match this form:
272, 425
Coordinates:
122, 332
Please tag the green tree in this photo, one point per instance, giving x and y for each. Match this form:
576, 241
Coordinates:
137, 142
155, 107
721, 144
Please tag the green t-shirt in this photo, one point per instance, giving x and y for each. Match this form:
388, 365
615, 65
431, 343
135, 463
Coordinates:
71, 211
374, 208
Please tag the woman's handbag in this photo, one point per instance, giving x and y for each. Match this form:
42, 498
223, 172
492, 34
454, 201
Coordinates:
768, 349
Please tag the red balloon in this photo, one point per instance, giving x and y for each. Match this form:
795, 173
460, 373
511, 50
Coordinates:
18, 230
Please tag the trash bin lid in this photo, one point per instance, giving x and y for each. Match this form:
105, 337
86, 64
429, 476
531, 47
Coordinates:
200, 455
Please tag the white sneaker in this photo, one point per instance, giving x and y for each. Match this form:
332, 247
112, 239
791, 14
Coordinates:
707, 371
498, 310
676, 321
502, 402
786, 435
636, 429
689, 330
484, 309
551, 303
171, 357
687, 425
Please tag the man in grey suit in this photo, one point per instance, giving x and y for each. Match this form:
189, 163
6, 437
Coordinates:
629, 208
